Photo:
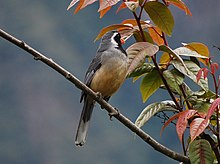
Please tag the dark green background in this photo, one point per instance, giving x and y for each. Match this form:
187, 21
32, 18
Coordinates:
39, 109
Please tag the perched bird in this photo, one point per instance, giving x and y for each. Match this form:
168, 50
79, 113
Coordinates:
105, 75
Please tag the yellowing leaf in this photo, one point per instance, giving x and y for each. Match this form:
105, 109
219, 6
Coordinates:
200, 48
150, 83
160, 15
137, 53
165, 58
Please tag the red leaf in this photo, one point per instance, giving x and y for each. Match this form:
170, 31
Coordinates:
199, 75
169, 121
196, 126
213, 107
214, 67
182, 122
200, 128
205, 73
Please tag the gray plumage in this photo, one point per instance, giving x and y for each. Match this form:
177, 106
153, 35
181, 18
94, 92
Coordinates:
105, 74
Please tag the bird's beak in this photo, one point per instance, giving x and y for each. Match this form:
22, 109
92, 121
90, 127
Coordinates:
122, 41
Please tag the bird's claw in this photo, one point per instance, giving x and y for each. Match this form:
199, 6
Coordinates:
115, 113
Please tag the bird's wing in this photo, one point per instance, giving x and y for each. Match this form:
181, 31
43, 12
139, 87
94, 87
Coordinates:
93, 67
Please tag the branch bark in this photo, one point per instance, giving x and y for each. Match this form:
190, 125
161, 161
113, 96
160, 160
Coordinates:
120, 117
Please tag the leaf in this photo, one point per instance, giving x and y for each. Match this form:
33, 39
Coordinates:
79, 6
145, 68
87, 2
177, 57
160, 15
181, 5
104, 11
72, 3
156, 35
150, 83
139, 38
182, 122
122, 6
213, 107
184, 51
200, 151
169, 121
137, 53
106, 3
153, 109
200, 129
194, 126
192, 70
174, 79
165, 58
200, 48
110, 28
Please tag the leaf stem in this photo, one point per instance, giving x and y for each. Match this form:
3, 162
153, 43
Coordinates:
156, 65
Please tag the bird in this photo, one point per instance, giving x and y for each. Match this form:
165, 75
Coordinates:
106, 73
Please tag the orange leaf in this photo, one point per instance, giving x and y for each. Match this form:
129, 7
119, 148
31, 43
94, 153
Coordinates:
122, 6
156, 34
104, 11
79, 6
182, 122
110, 28
180, 5
106, 3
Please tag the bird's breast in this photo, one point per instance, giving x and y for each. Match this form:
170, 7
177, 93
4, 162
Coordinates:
110, 76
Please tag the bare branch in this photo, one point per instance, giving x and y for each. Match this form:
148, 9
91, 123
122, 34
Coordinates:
147, 138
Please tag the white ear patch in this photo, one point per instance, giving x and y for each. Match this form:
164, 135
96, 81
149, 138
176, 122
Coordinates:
113, 40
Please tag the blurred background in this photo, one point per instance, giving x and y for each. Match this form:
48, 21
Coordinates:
40, 109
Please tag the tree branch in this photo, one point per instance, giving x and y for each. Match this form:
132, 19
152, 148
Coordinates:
147, 138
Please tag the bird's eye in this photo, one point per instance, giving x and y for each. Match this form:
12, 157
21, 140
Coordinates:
117, 38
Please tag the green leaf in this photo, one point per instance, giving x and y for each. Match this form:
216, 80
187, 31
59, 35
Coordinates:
153, 109
150, 83
174, 54
160, 15
192, 72
174, 79
200, 151
145, 68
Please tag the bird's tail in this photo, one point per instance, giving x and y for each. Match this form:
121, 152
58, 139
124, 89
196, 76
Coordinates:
84, 121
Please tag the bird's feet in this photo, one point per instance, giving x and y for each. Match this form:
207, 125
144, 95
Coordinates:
115, 113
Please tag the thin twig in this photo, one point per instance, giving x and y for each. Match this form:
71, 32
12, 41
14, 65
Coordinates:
124, 120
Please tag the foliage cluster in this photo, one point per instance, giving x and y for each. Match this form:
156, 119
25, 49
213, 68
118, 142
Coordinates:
197, 110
